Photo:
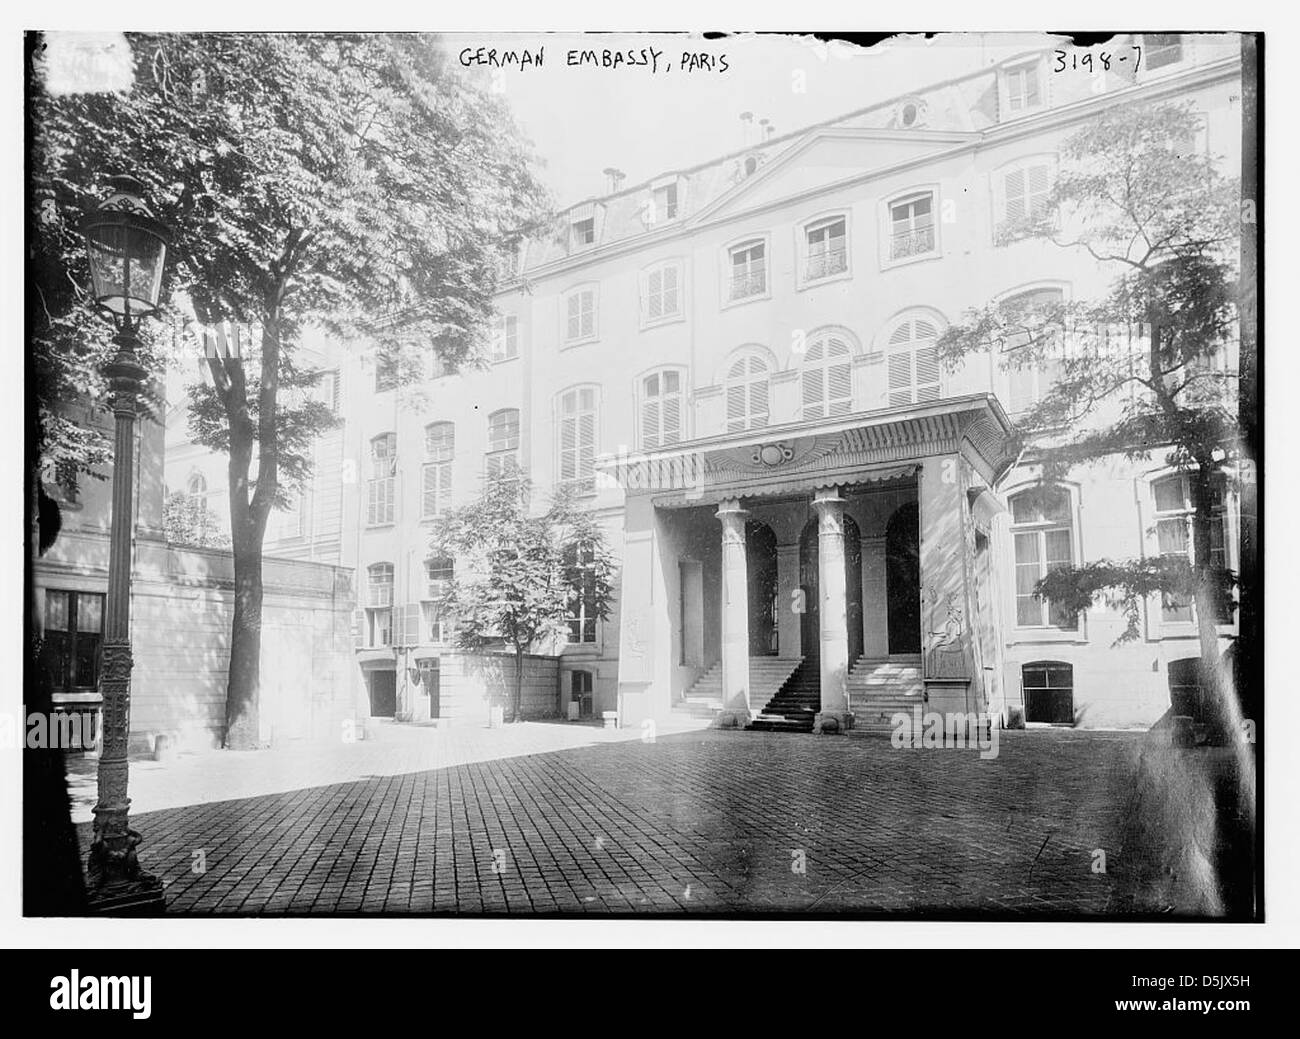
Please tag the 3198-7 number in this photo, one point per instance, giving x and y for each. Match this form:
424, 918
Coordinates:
1089, 62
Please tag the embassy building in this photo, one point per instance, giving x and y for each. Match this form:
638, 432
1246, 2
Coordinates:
734, 366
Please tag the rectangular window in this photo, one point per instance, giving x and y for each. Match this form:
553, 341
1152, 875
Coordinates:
439, 453
505, 337
665, 202
661, 409
1174, 512
584, 231
379, 627
380, 489
827, 253
577, 440
748, 271
1024, 192
662, 296
911, 227
1023, 92
581, 315
70, 646
1042, 536
582, 597
503, 443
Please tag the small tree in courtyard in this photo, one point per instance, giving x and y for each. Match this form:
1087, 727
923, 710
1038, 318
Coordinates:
522, 576
1146, 369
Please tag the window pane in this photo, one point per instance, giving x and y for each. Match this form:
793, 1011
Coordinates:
1169, 494
56, 611
1026, 549
1058, 548
90, 611
86, 665
1171, 536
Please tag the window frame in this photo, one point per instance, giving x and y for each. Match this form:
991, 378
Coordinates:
803, 251
678, 264
581, 485
1006, 375
821, 335
643, 399
743, 356
572, 293
998, 188
505, 331
888, 351
377, 613
443, 463
586, 564
373, 480
1047, 687
746, 242
1039, 529
71, 638
914, 193
1006, 113
1224, 514
511, 451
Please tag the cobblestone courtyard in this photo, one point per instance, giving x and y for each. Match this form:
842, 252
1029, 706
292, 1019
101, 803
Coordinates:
540, 818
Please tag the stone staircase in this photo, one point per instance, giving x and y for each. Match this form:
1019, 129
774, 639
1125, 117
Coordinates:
794, 707
766, 676
879, 689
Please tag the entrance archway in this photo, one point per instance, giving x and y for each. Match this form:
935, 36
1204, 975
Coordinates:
903, 579
760, 555
810, 621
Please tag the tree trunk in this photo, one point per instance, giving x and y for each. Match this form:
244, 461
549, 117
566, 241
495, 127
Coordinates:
516, 708
1218, 693
243, 688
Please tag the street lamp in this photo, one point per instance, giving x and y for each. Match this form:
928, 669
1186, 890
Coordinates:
127, 246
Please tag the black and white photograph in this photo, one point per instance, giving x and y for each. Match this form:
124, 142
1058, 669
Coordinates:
643, 476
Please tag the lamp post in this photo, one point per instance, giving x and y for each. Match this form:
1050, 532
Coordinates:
127, 247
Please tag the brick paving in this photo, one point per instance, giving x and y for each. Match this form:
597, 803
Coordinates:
545, 819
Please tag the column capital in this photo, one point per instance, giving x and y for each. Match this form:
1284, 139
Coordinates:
827, 497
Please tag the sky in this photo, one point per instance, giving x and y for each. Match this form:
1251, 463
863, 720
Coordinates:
583, 119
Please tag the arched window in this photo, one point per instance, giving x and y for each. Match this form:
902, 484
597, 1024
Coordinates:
1048, 686
827, 377
503, 442
1029, 383
380, 491
197, 485
577, 426
379, 604
913, 361
748, 384
661, 408
1043, 538
439, 452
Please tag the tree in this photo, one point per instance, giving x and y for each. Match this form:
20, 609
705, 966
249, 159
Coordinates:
1145, 369
521, 577
351, 181
188, 521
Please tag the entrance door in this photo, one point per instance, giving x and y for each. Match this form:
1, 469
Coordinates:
383, 693
810, 621
760, 557
903, 579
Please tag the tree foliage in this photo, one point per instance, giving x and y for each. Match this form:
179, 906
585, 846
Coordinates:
519, 573
188, 521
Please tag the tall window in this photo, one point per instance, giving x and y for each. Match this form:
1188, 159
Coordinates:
1030, 383
661, 409
505, 337
503, 442
576, 439
1043, 538
665, 202
439, 453
580, 315
439, 572
1024, 191
827, 253
827, 377
383, 467
582, 595
662, 295
74, 628
379, 604
1174, 509
748, 270
913, 362
1023, 90
747, 394
584, 231
911, 230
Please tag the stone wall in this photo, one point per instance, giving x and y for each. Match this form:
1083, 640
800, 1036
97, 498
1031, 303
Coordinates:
470, 684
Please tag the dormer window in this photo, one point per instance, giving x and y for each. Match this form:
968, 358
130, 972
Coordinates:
666, 202
584, 232
1022, 88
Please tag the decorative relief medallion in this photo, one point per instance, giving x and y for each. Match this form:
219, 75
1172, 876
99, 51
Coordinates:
772, 454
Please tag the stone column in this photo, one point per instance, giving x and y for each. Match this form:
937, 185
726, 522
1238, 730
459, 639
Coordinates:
735, 616
833, 608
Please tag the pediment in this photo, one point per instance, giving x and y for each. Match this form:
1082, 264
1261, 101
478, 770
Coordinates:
826, 158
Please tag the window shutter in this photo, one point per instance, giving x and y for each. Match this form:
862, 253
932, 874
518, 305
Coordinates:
650, 422
1014, 205
411, 624
655, 295
927, 373
575, 316
900, 377
670, 290
1031, 86
358, 629
1038, 181
672, 418
586, 444
758, 399
736, 410
812, 393
430, 489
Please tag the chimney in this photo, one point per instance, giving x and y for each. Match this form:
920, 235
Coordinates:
613, 178
746, 129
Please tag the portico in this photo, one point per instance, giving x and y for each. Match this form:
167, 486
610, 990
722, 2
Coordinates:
790, 560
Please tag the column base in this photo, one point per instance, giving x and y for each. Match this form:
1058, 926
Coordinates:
732, 718
827, 723
116, 883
